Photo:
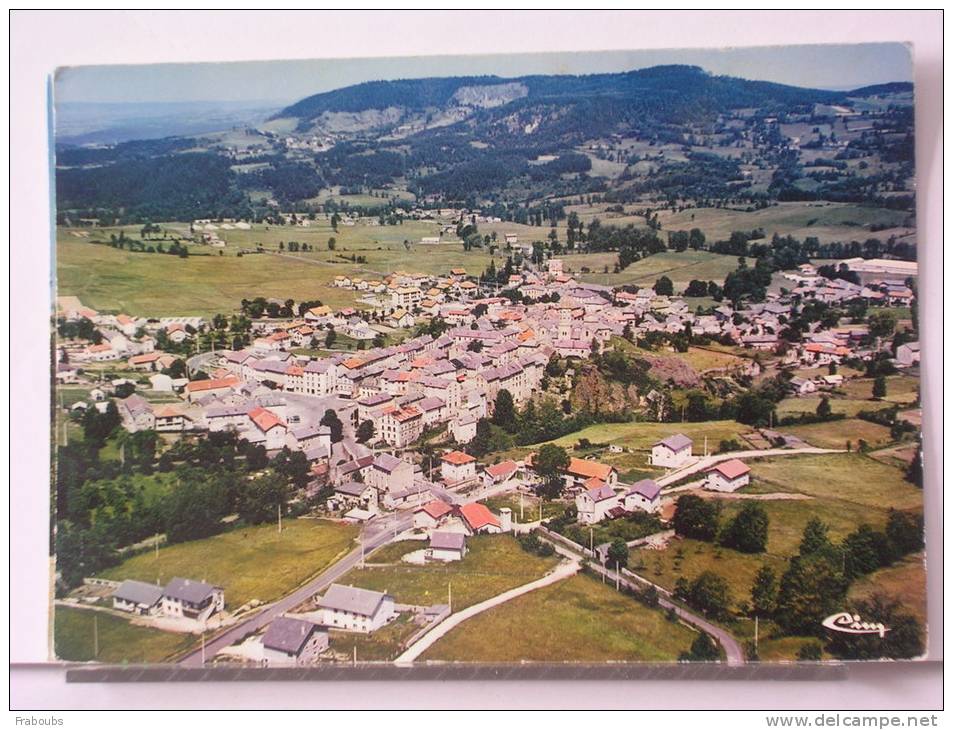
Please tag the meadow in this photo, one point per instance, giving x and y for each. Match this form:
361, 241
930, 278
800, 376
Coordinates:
493, 564
248, 562
681, 268
76, 631
826, 221
579, 619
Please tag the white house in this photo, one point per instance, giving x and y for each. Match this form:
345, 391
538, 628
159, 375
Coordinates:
184, 598
802, 386
355, 609
429, 515
644, 495
447, 546
456, 467
672, 452
292, 641
728, 476
908, 354
161, 382
134, 596
593, 504
499, 473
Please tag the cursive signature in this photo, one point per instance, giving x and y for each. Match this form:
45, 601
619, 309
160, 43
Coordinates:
850, 623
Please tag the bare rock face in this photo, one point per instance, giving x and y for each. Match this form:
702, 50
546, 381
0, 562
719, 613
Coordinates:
595, 393
673, 370
489, 96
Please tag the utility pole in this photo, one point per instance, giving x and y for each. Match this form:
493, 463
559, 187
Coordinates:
756, 633
450, 595
706, 446
590, 539
521, 506
95, 636
354, 660
279, 519
157, 546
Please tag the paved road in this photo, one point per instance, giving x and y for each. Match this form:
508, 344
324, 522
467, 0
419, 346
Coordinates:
734, 654
562, 571
374, 536
706, 462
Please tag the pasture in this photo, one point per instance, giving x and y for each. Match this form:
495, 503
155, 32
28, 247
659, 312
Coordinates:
77, 631
248, 562
579, 619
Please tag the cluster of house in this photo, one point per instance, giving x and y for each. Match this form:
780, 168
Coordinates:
600, 495
180, 598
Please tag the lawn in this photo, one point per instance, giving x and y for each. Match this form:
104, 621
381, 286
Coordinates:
385, 644
248, 562
827, 221
681, 268
579, 619
146, 284
852, 478
493, 564
848, 406
530, 506
119, 641
837, 434
901, 389
640, 435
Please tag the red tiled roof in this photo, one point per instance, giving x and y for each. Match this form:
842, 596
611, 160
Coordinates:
265, 419
435, 509
457, 457
731, 469
588, 469
478, 515
197, 386
502, 469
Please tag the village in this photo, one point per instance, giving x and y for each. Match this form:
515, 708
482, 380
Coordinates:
360, 418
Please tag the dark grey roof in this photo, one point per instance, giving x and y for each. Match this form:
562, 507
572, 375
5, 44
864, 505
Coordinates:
288, 634
676, 443
647, 488
353, 600
354, 489
135, 591
447, 540
386, 462
192, 591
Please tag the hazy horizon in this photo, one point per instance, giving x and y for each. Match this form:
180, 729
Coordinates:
834, 67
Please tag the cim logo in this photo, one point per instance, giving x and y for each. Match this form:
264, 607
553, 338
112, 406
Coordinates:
850, 623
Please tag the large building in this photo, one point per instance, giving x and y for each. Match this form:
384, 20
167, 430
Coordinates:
355, 609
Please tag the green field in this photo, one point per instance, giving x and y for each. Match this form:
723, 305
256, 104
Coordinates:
493, 564
641, 435
575, 620
681, 268
144, 284
827, 221
248, 562
850, 478
120, 642
836, 434
530, 506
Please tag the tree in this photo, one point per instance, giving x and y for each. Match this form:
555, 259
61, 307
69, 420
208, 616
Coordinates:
904, 640
703, 649
914, 473
664, 287
697, 288
332, 242
709, 593
618, 553
293, 466
879, 389
764, 592
504, 411
330, 337
696, 517
331, 420
549, 463
865, 550
815, 537
824, 407
748, 531
365, 432
904, 531
812, 588
882, 323
260, 499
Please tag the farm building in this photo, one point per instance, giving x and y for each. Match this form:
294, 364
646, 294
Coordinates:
671, 452
728, 476
355, 609
293, 641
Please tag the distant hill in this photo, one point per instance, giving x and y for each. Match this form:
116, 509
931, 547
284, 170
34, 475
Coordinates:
895, 87
666, 92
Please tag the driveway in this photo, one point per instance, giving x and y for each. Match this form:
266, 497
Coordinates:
706, 462
561, 572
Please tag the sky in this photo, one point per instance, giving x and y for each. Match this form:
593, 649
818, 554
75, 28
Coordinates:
818, 66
